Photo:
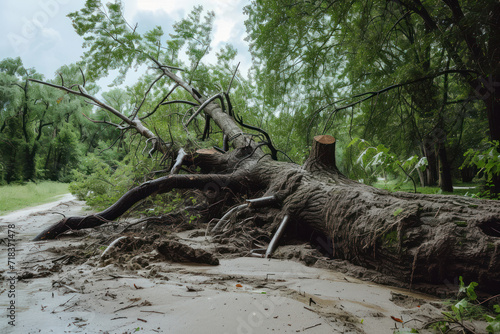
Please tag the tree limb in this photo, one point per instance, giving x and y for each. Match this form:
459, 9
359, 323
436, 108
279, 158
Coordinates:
158, 186
200, 109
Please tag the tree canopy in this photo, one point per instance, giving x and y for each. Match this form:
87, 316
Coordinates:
412, 75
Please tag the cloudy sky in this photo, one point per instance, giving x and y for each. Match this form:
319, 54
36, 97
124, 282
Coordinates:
40, 33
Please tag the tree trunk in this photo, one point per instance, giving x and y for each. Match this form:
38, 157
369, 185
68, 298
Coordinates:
413, 237
421, 177
467, 173
30, 162
445, 179
431, 170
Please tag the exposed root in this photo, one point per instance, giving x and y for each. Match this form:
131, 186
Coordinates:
111, 245
277, 236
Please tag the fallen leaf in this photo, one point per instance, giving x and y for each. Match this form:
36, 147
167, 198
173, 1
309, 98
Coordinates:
396, 319
239, 285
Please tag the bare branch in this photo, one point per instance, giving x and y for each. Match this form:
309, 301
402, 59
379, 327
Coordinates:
134, 114
62, 79
206, 103
277, 236
229, 105
82, 92
134, 123
173, 68
178, 162
180, 101
159, 104
177, 80
83, 77
231, 82
268, 143
104, 122
157, 186
206, 131
368, 95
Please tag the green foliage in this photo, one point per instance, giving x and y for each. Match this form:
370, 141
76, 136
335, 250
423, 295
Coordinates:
389, 241
469, 290
111, 42
487, 160
371, 69
196, 33
40, 128
494, 322
397, 212
378, 160
467, 308
94, 183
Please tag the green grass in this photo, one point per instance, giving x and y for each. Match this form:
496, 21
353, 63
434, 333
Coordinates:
15, 197
408, 187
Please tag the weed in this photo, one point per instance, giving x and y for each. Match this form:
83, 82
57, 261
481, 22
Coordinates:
467, 308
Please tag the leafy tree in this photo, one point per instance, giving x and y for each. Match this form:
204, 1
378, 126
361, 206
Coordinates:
426, 58
41, 128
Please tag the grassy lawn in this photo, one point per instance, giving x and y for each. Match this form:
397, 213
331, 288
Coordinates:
408, 187
14, 197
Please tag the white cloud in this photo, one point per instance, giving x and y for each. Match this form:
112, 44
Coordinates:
228, 25
39, 32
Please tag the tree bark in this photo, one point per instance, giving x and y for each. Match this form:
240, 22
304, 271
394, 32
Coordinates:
445, 179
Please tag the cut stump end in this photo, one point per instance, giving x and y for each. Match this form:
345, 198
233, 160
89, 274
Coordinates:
325, 139
322, 155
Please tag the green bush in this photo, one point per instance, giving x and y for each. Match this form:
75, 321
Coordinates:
101, 183
467, 308
487, 160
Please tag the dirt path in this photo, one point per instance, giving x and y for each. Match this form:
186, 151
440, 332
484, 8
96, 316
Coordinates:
17, 214
59, 293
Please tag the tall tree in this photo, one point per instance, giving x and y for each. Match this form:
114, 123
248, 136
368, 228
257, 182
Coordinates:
40, 127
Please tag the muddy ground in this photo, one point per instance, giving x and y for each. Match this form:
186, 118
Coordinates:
145, 283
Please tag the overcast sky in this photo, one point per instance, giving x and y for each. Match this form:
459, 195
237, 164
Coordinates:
40, 33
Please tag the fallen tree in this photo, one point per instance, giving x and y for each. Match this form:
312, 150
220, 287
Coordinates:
413, 237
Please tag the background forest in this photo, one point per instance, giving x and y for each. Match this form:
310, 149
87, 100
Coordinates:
410, 90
